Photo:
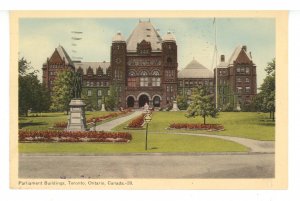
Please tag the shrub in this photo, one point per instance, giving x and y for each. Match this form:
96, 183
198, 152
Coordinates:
137, 122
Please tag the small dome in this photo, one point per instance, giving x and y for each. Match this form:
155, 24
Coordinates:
169, 37
118, 38
195, 70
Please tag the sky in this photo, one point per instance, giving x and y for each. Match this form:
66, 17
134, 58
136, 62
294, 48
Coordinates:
38, 38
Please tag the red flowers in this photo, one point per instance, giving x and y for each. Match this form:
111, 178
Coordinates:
210, 127
73, 136
137, 122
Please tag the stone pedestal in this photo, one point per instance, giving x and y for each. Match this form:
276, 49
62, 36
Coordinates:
76, 119
103, 107
175, 107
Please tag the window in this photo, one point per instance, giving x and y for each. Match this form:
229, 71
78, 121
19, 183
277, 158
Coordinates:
171, 87
87, 83
92, 84
170, 73
144, 73
132, 82
168, 88
186, 83
131, 73
180, 83
89, 92
238, 79
155, 73
108, 92
205, 82
238, 69
156, 81
99, 92
211, 83
242, 70
239, 89
247, 80
247, 70
144, 82
98, 84
247, 89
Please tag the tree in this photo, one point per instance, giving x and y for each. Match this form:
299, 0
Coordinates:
62, 91
265, 99
111, 101
32, 94
202, 104
182, 102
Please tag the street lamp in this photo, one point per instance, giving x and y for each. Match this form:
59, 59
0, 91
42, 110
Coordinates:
147, 119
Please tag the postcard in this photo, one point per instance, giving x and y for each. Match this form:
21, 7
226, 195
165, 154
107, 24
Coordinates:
148, 100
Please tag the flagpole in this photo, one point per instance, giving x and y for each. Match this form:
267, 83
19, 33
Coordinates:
216, 59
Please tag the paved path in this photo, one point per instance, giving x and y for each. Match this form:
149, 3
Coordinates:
194, 165
255, 146
108, 126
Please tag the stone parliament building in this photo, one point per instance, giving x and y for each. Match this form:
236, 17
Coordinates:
144, 69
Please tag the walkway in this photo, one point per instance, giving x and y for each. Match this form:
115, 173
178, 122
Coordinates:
108, 126
255, 146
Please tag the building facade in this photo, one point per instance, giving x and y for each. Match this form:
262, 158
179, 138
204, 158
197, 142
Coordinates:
236, 79
144, 69
193, 75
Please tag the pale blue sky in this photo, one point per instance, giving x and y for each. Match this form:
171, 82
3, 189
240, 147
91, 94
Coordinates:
194, 36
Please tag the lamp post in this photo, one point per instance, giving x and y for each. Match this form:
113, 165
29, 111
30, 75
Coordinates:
147, 119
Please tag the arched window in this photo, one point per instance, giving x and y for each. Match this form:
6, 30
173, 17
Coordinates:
144, 73
155, 73
131, 73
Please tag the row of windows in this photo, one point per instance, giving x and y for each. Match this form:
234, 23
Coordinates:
53, 72
170, 89
56, 66
194, 83
241, 89
240, 80
243, 70
144, 82
99, 92
143, 73
92, 84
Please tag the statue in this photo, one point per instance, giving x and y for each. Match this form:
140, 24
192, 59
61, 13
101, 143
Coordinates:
77, 87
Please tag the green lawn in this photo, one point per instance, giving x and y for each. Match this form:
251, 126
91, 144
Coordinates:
241, 124
47, 120
247, 125
156, 143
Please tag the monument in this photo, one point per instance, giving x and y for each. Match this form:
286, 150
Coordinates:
175, 107
76, 119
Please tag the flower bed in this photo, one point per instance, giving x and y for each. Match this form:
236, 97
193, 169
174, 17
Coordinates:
73, 136
62, 125
137, 122
209, 127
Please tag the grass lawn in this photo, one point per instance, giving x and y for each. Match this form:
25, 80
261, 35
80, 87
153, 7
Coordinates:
250, 125
47, 120
156, 143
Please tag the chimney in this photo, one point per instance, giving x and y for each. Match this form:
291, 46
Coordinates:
244, 48
222, 58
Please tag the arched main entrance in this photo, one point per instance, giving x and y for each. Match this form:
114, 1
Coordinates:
156, 101
130, 101
143, 99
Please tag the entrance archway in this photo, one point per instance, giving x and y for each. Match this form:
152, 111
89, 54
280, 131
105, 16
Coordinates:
156, 101
130, 101
143, 99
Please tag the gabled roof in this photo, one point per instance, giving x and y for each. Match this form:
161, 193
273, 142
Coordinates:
144, 31
63, 54
94, 65
240, 53
195, 70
